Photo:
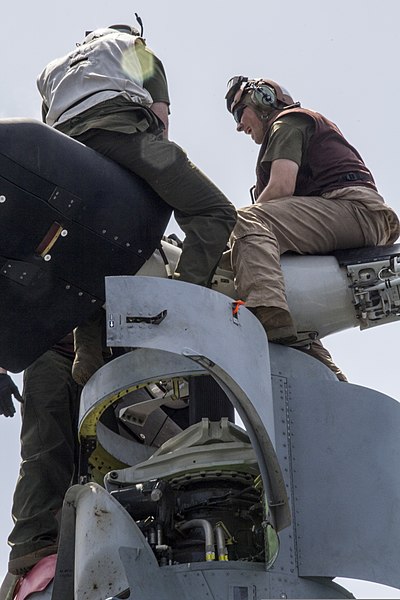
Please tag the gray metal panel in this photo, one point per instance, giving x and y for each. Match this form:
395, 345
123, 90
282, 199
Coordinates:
345, 447
124, 450
291, 363
221, 581
199, 325
291, 586
135, 367
286, 364
320, 303
286, 562
232, 581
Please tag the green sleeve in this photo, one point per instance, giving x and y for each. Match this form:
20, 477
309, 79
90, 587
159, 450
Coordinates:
154, 77
289, 138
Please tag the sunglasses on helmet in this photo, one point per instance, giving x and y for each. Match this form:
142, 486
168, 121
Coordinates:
234, 85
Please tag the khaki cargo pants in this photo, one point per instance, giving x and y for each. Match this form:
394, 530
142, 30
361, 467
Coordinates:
350, 217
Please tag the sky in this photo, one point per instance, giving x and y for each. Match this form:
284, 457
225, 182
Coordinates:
339, 58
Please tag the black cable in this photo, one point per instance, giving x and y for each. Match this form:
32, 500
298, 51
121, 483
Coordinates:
139, 20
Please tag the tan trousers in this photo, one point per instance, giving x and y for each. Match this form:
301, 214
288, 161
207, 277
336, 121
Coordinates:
318, 351
350, 217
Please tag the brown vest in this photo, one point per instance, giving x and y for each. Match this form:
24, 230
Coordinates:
328, 163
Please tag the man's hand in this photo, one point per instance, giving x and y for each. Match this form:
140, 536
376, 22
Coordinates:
7, 390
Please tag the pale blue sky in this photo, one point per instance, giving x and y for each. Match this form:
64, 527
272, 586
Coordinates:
338, 58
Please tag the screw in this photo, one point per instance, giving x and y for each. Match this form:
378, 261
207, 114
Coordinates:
64, 233
156, 495
3, 198
47, 257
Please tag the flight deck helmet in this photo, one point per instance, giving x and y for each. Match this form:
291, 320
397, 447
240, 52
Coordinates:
125, 29
129, 29
92, 35
263, 95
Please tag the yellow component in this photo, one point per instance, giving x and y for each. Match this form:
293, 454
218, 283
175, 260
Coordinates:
175, 387
102, 462
258, 483
210, 556
223, 557
229, 538
88, 426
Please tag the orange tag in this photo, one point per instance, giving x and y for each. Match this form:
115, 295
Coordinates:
236, 305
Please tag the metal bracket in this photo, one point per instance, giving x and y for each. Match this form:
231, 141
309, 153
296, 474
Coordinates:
156, 320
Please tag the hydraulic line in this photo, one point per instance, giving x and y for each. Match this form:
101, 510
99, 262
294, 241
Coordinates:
208, 535
221, 545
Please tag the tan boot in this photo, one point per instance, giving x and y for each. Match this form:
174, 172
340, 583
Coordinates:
277, 322
88, 346
318, 351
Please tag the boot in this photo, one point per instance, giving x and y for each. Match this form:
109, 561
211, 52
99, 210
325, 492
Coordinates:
277, 322
88, 347
317, 350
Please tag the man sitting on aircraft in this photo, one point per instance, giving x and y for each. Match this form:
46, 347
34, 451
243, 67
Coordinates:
313, 195
111, 94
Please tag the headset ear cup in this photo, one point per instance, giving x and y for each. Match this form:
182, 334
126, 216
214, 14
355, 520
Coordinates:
263, 96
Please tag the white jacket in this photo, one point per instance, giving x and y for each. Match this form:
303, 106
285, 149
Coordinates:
105, 65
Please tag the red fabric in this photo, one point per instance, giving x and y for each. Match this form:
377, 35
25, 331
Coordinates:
38, 577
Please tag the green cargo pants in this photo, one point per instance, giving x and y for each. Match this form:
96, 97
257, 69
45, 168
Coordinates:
202, 211
48, 452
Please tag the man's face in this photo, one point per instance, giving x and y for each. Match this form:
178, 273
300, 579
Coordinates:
251, 124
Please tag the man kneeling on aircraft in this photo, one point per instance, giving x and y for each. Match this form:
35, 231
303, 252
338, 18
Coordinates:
313, 195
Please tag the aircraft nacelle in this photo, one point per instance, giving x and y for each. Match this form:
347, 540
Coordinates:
326, 294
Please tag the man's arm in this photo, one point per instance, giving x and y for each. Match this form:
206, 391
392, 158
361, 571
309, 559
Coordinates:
282, 181
161, 109
155, 82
